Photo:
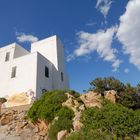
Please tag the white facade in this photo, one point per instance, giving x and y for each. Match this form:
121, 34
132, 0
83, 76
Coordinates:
25, 75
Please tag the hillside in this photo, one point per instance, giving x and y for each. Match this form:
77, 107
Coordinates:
101, 113
16, 126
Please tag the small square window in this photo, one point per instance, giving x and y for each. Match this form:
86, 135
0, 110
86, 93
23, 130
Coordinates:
47, 72
13, 74
7, 56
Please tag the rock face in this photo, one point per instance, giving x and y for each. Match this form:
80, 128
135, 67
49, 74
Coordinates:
14, 126
91, 99
75, 106
76, 122
61, 135
111, 95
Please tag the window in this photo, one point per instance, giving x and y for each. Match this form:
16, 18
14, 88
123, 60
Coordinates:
47, 72
44, 90
7, 56
62, 76
13, 74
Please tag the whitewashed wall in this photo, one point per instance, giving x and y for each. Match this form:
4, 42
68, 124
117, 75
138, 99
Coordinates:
30, 70
25, 75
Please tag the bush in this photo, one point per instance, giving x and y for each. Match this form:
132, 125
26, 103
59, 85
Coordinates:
47, 106
50, 106
74, 93
65, 112
112, 118
90, 134
102, 84
3, 100
64, 122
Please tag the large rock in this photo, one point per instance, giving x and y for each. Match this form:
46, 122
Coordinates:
71, 103
43, 127
62, 134
91, 99
76, 122
111, 95
14, 126
5, 119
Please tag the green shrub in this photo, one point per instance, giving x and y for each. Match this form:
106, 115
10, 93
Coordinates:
3, 100
47, 106
113, 118
110, 83
129, 98
74, 93
65, 112
90, 134
64, 122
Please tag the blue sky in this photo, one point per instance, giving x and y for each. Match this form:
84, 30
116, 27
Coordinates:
101, 37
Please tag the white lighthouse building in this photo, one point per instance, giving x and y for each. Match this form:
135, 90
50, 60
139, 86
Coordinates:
25, 75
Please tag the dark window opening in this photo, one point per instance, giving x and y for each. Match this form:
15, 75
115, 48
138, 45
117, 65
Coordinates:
47, 72
44, 90
62, 76
13, 74
7, 56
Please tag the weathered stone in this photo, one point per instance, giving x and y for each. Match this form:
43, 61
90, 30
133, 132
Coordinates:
26, 134
81, 108
42, 125
72, 104
91, 99
36, 130
62, 134
77, 125
43, 133
76, 122
36, 137
111, 95
5, 119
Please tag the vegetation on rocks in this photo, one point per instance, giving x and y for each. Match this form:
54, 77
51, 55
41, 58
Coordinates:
129, 96
102, 84
64, 122
109, 111
112, 121
47, 106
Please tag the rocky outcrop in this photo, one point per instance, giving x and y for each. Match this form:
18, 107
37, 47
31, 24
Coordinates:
71, 103
2, 101
111, 95
76, 122
91, 99
15, 126
62, 134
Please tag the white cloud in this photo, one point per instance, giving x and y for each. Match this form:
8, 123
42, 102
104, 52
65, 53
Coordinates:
129, 32
22, 37
126, 70
91, 24
99, 42
104, 6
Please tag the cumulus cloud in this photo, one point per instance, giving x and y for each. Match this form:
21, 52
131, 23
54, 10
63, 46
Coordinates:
104, 6
99, 42
22, 37
129, 32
